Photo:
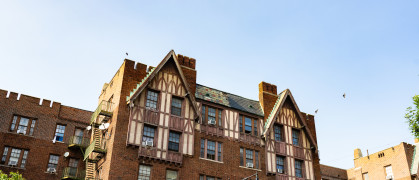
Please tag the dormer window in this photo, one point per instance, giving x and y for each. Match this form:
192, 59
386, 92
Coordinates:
176, 106
211, 115
248, 125
278, 132
296, 137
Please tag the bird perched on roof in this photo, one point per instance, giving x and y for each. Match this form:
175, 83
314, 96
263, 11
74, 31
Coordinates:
316, 111
126, 53
344, 95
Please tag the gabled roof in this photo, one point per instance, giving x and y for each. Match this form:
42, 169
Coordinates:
276, 109
152, 73
228, 99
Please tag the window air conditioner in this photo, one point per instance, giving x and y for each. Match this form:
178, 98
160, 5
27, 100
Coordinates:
249, 165
147, 143
52, 170
19, 131
390, 176
212, 121
13, 163
280, 171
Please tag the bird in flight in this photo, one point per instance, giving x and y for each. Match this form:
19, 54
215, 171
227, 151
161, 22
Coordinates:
316, 111
126, 53
344, 95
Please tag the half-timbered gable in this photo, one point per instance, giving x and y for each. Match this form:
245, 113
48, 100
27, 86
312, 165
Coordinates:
162, 114
289, 144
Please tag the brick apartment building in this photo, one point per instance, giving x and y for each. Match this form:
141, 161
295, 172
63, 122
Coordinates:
158, 123
163, 125
395, 163
41, 139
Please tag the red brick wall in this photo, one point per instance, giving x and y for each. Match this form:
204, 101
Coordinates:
40, 145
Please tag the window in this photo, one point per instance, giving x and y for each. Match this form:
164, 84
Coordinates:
211, 150
365, 176
296, 137
20, 125
53, 161
176, 106
211, 115
204, 177
174, 141
148, 135
280, 164
171, 175
14, 157
247, 124
278, 132
389, 171
299, 168
251, 157
73, 164
11, 157
144, 172
78, 136
152, 99
59, 133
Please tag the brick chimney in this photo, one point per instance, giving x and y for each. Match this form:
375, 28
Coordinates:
357, 153
267, 97
188, 68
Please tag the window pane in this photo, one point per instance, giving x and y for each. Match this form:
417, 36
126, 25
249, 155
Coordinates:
201, 177
220, 121
14, 157
152, 99
148, 134
202, 148
241, 123
5, 152
12, 127
248, 125
174, 141
298, 168
280, 164
32, 127
144, 172
53, 161
211, 150
203, 114
176, 106
277, 131
219, 151
255, 129
25, 156
241, 156
23, 125
211, 115
256, 159
249, 156
295, 137
59, 132
171, 175
73, 163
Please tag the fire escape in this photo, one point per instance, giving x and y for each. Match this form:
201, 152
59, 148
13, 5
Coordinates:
98, 141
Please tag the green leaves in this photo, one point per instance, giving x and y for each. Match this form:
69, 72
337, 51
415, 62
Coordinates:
412, 116
11, 176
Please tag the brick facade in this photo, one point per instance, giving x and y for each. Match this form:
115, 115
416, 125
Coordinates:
39, 145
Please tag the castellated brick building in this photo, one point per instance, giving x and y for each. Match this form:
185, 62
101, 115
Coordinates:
158, 123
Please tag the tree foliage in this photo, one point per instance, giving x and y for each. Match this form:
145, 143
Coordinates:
11, 176
412, 117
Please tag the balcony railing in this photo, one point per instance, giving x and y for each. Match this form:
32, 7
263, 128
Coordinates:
78, 141
105, 108
73, 173
98, 145
212, 130
151, 152
280, 147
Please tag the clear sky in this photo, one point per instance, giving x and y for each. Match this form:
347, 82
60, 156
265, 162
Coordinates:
66, 50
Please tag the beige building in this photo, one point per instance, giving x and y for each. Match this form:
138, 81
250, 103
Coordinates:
392, 163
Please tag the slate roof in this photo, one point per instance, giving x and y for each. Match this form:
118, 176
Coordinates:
229, 100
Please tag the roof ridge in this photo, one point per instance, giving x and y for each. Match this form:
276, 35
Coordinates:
227, 92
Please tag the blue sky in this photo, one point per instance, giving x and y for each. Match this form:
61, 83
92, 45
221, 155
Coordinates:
65, 51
